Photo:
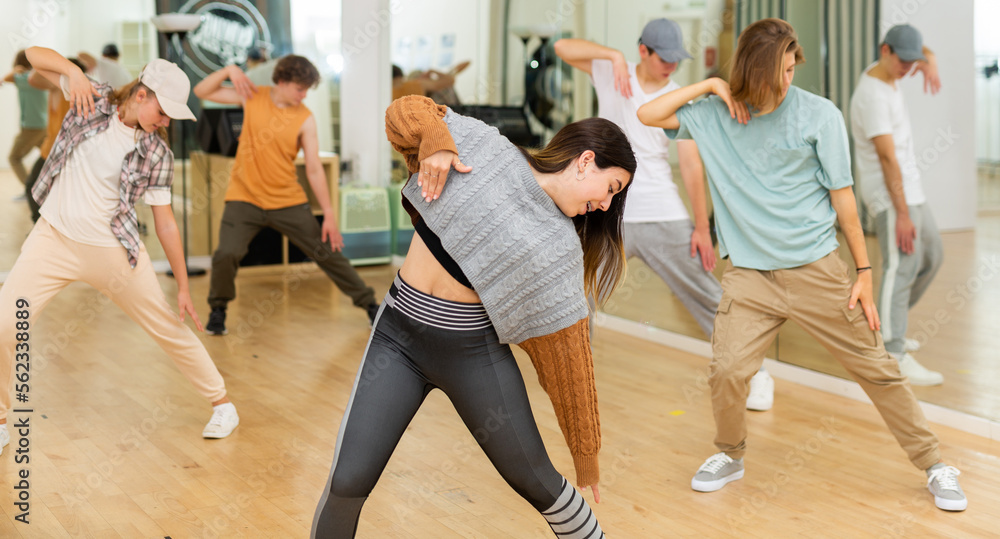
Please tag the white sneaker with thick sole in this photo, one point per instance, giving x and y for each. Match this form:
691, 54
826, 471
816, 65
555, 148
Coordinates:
224, 421
4, 438
718, 470
917, 373
943, 484
761, 396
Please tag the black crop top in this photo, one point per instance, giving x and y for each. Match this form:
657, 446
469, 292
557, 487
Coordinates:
434, 245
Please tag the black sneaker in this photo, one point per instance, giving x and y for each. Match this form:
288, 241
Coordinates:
372, 311
217, 322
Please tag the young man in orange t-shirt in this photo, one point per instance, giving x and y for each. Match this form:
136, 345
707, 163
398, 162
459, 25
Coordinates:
263, 187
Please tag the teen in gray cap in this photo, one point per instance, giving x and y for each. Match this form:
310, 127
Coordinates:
663, 37
890, 185
658, 228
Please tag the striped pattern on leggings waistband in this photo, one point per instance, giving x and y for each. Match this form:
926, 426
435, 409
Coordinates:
437, 312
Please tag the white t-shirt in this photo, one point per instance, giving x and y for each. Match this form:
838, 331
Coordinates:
111, 72
86, 196
877, 109
653, 196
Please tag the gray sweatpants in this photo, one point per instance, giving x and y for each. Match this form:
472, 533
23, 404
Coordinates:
905, 277
666, 248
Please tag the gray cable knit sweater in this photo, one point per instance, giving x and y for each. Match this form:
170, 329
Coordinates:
519, 251
528, 272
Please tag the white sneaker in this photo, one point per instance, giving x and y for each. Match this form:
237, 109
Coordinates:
911, 345
761, 396
224, 421
4, 437
917, 373
943, 484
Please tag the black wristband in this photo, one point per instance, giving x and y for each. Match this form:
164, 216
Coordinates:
859, 270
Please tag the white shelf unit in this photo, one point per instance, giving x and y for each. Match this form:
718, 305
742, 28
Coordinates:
137, 44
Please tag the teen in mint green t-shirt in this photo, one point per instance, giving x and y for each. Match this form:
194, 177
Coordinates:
776, 174
780, 177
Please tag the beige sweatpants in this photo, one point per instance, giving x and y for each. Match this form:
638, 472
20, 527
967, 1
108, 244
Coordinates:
50, 261
754, 306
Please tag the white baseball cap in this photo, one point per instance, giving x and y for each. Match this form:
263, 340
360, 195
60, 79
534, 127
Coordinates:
171, 87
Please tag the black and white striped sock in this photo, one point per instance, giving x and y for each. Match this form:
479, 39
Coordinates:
570, 517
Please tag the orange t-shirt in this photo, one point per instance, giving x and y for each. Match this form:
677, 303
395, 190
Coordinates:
58, 107
264, 172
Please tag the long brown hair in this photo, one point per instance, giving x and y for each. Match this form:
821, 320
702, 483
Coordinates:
600, 231
121, 96
755, 74
21, 59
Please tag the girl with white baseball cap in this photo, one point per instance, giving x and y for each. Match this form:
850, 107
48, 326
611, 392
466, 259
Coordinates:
110, 151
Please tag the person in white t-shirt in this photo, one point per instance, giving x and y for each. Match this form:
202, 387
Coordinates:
892, 192
110, 152
658, 229
106, 68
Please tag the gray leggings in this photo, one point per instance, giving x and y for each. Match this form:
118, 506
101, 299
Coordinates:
414, 348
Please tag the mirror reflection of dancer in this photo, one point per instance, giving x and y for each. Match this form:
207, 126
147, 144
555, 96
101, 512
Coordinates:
505, 254
33, 115
658, 229
110, 153
780, 177
891, 187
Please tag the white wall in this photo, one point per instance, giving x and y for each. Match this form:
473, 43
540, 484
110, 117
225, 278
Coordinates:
22, 25
987, 41
316, 35
93, 22
944, 132
365, 88
427, 21
68, 26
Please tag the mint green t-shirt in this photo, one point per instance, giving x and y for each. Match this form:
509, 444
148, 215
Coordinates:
34, 103
771, 179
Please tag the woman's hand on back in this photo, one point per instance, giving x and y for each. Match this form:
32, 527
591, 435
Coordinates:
434, 171
737, 111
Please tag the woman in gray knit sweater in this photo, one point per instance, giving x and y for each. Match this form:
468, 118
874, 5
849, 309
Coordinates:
506, 253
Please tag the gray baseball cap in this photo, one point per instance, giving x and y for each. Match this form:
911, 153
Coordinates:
664, 37
906, 42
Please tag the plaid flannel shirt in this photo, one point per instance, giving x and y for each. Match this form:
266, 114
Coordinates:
149, 166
